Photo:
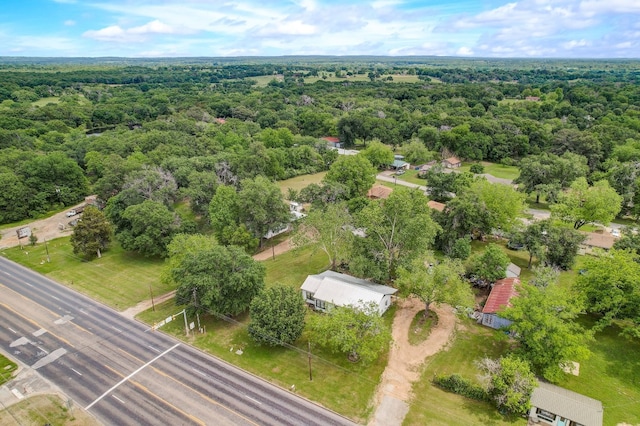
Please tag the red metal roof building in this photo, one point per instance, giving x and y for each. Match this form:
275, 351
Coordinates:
501, 293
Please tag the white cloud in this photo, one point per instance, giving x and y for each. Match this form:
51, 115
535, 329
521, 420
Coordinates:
288, 28
610, 6
115, 33
69, 23
464, 51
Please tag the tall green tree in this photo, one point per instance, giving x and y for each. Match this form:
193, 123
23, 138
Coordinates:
545, 329
435, 282
583, 204
224, 212
398, 230
216, 279
378, 154
611, 288
491, 264
92, 234
14, 198
549, 172
329, 230
261, 206
277, 316
360, 332
509, 382
355, 172
147, 228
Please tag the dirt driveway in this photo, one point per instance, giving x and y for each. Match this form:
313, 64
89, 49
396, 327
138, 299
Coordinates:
48, 228
394, 391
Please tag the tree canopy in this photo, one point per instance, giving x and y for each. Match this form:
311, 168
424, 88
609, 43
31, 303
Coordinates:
92, 234
277, 316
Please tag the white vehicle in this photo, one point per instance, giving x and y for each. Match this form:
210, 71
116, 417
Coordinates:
71, 213
615, 232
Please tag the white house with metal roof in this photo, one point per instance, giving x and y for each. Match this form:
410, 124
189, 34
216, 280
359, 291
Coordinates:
322, 291
556, 406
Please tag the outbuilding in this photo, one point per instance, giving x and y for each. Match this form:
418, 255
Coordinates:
500, 297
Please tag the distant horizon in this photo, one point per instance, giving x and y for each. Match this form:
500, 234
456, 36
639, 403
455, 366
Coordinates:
519, 29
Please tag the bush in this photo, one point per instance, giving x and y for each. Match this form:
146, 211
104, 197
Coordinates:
461, 386
477, 168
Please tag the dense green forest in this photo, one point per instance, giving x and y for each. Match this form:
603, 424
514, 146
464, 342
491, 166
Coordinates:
70, 127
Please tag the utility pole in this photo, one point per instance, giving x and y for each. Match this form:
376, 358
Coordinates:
186, 325
153, 305
46, 247
309, 355
195, 303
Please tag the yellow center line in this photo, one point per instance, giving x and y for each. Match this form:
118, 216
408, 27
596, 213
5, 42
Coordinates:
147, 391
213, 401
55, 314
35, 324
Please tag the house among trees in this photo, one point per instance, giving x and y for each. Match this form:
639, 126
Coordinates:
379, 192
332, 142
452, 163
322, 291
400, 165
594, 241
556, 406
423, 169
436, 205
501, 293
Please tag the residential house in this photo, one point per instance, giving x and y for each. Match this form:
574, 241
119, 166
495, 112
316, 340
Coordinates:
328, 289
423, 169
436, 205
378, 192
332, 142
556, 406
501, 294
399, 165
296, 213
513, 271
532, 98
595, 241
452, 163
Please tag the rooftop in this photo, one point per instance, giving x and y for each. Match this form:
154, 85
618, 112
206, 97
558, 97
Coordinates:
568, 404
501, 293
604, 241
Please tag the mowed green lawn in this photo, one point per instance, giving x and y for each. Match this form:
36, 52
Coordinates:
120, 279
433, 406
7, 367
337, 383
300, 182
497, 170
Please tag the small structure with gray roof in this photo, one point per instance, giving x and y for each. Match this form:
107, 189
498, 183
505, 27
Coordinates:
322, 291
556, 406
513, 271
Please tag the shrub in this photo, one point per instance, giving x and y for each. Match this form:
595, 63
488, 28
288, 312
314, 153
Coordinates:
461, 386
477, 168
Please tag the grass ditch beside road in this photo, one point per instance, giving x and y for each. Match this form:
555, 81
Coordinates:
120, 279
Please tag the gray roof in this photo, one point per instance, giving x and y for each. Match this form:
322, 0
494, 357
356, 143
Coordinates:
568, 404
341, 290
399, 163
513, 271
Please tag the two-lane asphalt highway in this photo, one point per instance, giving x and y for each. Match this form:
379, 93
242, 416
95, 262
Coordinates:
124, 373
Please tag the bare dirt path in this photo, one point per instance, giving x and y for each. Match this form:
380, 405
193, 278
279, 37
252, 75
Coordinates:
394, 391
270, 252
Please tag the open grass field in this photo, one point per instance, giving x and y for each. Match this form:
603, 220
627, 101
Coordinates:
412, 177
300, 182
120, 279
45, 101
433, 406
497, 170
337, 383
291, 268
45, 410
7, 367
611, 375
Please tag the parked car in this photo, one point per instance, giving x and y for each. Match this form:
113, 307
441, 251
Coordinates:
400, 172
515, 245
615, 232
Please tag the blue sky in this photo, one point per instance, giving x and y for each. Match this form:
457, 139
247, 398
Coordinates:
169, 28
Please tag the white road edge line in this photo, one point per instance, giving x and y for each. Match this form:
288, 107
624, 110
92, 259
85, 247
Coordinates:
253, 399
131, 375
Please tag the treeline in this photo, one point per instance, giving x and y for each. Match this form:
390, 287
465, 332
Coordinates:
110, 121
